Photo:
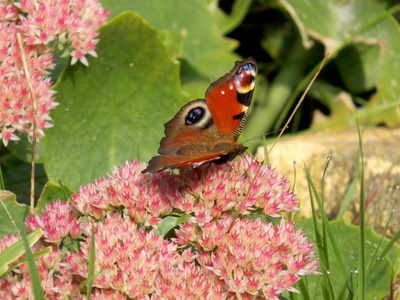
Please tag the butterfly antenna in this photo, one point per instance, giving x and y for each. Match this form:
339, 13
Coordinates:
300, 101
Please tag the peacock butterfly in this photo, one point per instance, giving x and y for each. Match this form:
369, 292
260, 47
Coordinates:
206, 131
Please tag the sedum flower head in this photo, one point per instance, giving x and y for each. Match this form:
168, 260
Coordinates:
68, 22
217, 252
44, 25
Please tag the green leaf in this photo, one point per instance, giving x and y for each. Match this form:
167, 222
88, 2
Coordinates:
53, 192
33, 270
191, 19
173, 41
170, 222
13, 215
340, 104
228, 22
115, 109
337, 24
22, 149
359, 66
347, 238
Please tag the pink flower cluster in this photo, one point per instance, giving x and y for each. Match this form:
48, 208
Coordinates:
55, 277
44, 25
215, 253
58, 221
144, 197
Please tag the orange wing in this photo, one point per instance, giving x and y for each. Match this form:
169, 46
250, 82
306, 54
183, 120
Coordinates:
229, 98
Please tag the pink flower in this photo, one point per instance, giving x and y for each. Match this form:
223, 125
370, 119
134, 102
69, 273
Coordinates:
72, 22
213, 255
221, 190
64, 23
144, 197
57, 222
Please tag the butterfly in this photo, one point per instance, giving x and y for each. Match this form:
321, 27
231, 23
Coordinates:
207, 130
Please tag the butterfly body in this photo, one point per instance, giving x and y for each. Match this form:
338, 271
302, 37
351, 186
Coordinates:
207, 130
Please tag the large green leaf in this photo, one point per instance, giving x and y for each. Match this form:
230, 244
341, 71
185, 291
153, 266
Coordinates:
228, 22
338, 24
23, 149
115, 109
348, 241
197, 25
13, 215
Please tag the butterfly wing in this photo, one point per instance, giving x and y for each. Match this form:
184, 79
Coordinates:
191, 139
229, 98
159, 163
207, 130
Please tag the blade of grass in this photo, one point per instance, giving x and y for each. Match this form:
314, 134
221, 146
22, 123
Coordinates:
324, 234
63, 190
16, 250
33, 271
376, 258
35, 255
303, 289
362, 286
320, 247
347, 197
34, 123
294, 216
92, 260
328, 291
386, 250
329, 158
2, 187
329, 232
266, 152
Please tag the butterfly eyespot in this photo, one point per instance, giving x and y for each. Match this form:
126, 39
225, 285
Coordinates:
245, 78
194, 115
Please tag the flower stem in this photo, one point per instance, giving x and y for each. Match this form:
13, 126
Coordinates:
21, 48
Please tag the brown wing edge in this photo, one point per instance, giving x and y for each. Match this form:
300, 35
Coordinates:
160, 163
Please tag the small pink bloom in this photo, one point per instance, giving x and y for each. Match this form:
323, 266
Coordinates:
7, 134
